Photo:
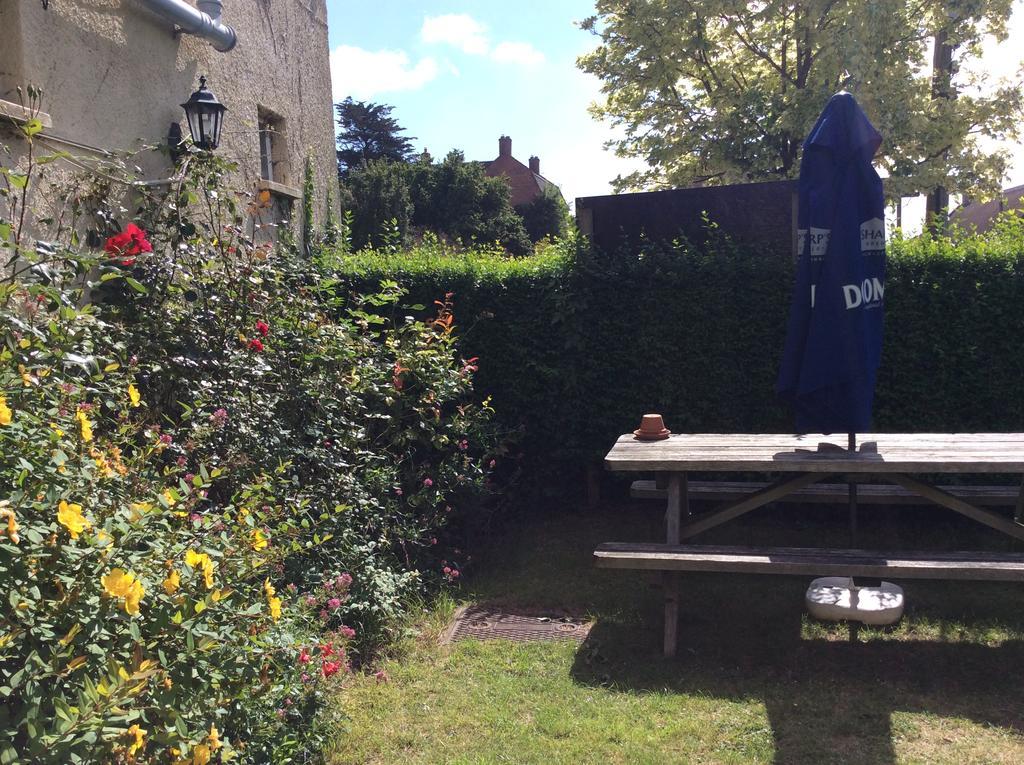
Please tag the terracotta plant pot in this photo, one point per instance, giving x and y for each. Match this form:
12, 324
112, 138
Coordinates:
652, 428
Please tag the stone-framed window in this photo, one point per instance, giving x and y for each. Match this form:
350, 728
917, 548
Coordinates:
273, 152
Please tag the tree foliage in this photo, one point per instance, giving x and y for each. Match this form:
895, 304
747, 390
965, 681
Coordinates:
367, 132
725, 91
377, 194
452, 198
546, 216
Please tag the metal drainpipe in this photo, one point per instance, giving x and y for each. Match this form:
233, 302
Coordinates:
203, 21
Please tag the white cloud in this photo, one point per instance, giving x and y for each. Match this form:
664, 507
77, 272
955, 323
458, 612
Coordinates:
364, 74
458, 29
462, 31
521, 53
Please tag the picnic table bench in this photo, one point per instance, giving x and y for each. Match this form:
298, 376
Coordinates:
804, 461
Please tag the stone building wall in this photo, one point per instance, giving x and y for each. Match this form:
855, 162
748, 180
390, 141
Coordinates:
114, 75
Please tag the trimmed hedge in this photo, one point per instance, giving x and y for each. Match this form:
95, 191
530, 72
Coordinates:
575, 345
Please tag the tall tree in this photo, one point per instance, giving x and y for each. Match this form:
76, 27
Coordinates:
724, 91
366, 132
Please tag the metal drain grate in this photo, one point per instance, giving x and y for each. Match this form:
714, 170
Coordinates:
490, 623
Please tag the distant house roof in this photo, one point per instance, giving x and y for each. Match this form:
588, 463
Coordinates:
979, 216
525, 181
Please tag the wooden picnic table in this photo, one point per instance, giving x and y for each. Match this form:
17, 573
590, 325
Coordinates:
803, 460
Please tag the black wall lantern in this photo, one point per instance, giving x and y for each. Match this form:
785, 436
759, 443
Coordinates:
205, 115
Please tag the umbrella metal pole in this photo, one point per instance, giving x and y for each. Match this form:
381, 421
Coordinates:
852, 490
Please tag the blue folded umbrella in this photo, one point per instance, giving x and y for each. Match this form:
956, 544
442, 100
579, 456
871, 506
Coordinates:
834, 338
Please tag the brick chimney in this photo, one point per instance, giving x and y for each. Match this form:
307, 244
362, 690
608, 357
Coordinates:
535, 165
504, 146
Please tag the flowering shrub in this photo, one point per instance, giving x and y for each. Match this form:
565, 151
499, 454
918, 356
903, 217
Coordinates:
364, 418
220, 484
129, 597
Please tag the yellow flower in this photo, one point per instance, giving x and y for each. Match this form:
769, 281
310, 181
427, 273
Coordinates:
200, 755
139, 734
120, 584
102, 465
86, 426
12, 524
194, 559
139, 509
172, 582
214, 738
133, 394
5, 412
259, 542
70, 516
268, 588
58, 431
275, 608
169, 498
26, 378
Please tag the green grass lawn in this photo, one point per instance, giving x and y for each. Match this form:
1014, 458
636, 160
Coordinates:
755, 681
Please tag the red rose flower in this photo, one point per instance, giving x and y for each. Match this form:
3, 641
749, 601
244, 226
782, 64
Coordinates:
327, 649
304, 656
263, 328
256, 345
127, 245
330, 667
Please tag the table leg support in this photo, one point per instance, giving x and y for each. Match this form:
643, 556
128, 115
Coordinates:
678, 511
670, 582
1019, 513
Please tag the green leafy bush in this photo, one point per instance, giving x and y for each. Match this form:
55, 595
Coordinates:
576, 344
222, 482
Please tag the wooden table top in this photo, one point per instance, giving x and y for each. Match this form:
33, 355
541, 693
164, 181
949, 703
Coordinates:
779, 452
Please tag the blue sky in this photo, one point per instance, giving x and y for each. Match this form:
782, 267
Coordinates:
460, 73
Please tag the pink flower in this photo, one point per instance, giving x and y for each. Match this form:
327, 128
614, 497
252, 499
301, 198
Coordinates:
304, 656
219, 418
344, 580
398, 491
347, 632
280, 714
334, 603
324, 615
195, 517
166, 439
310, 600
433, 540
189, 477
306, 678
382, 676
427, 482
446, 570
182, 461
492, 463
463, 444
455, 573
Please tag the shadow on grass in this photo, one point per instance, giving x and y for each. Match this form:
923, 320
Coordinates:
830, 695
829, 691
826, 700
